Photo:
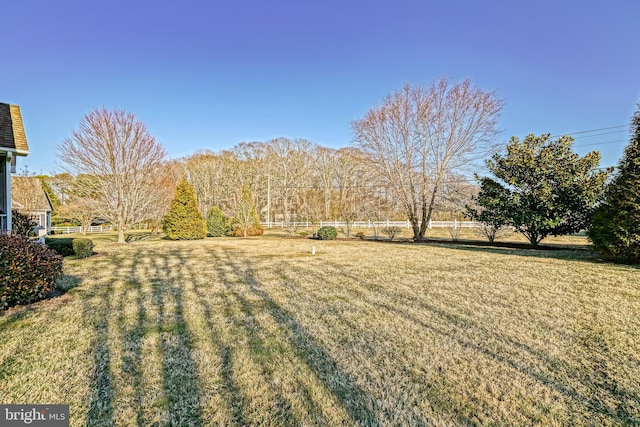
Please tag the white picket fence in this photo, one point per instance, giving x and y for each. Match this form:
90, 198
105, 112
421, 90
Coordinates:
371, 224
78, 229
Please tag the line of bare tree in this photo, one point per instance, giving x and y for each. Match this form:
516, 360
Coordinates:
411, 156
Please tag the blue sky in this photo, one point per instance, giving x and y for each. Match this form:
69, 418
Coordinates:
209, 74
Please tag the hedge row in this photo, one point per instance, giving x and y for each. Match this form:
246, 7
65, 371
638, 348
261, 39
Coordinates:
66, 246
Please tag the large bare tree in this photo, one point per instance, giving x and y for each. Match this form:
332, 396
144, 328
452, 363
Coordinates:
420, 135
124, 161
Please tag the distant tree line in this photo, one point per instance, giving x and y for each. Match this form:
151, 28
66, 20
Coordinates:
413, 158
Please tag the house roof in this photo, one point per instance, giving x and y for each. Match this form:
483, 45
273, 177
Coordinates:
12, 134
27, 193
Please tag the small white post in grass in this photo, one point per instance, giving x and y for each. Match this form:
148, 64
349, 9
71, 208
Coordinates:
313, 250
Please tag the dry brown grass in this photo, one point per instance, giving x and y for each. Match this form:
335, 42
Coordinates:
261, 332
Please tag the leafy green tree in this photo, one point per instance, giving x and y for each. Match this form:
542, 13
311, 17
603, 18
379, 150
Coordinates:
247, 221
184, 220
217, 222
492, 207
542, 188
45, 180
615, 231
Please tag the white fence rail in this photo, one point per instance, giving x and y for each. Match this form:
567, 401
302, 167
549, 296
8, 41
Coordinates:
78, 229
371, 224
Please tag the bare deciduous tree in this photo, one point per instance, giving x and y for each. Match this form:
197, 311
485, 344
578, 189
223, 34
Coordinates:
123, 158
418, 136
27, 193
81, 209
214, 177
163, 193
290, 162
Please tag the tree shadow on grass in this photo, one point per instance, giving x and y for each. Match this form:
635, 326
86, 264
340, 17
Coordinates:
180, 373
132, 337
437, 397
593, 379
95, 313
107, 309
352, 398
524, 250
591, 375
230, 391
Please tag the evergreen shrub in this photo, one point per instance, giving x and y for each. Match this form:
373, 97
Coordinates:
82, 247
63, 246
184, 220
327, 233
615, 228
217, 222
28, 270
22, 224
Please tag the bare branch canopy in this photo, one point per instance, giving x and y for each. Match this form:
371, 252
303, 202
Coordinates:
418, 136
122, 162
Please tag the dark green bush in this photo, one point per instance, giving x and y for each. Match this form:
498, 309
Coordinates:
21, 224
327, 233
64, 246
217, 222
615, 229
28, 270
83, 248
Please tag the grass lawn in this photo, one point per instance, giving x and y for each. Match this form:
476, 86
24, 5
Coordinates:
260, 332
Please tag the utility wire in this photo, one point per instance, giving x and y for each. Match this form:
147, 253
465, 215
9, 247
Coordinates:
602, 133
590, 131
600, 143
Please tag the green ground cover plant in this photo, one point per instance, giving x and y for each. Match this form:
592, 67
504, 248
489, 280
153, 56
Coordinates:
261, 332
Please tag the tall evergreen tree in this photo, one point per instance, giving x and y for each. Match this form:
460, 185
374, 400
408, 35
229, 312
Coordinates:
615, 231
184, 220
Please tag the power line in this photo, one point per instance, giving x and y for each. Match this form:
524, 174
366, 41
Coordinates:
600, 143
590, 131
603, 133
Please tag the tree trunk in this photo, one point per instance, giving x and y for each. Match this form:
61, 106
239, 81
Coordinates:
416, 228
427, 212
534, 239
121, 235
